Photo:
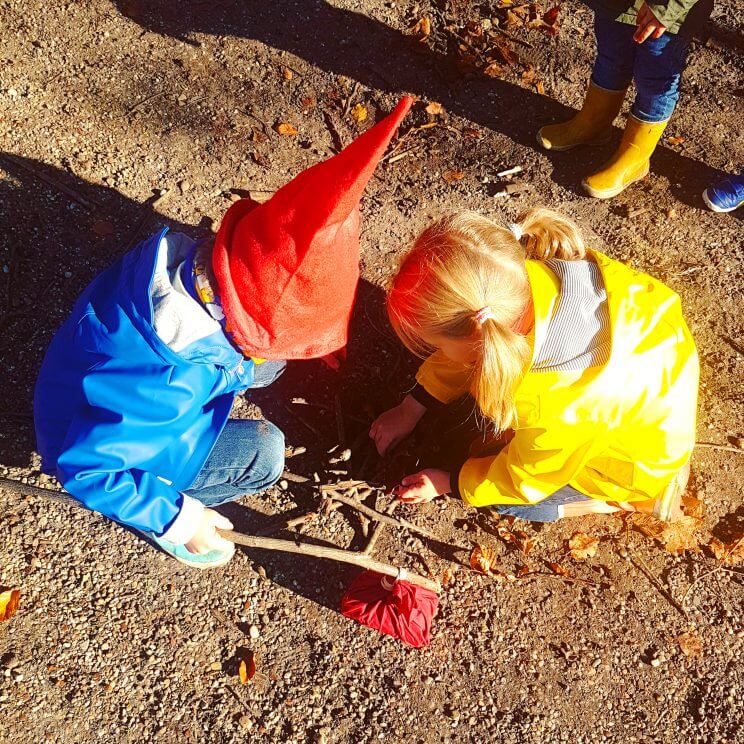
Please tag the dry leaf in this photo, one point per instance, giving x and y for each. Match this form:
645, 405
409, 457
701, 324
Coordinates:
422, 29
259, 159
307, 102
527, 546
693, 507
505, 533
556, 568
493, 70
690, 644
287, 74
448, 575
482, 559
359, 113
9, 603
247, 668
453, 175
582, 546
550, 18
471, 132
286, 130
540, 87
523, 571
731, 554
435, 109
676, 140
682, 535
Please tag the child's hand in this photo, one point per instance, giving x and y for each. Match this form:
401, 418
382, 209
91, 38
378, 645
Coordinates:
647, 24
423, 486
207, 538
394, 425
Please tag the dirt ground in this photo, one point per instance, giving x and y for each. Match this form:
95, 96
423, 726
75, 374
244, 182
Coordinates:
104, 104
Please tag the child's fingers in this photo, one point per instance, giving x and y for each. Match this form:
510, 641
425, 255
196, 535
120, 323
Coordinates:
659, 32
412, 480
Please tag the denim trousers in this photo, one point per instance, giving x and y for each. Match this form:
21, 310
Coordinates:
248, 456
547, 510
655, 66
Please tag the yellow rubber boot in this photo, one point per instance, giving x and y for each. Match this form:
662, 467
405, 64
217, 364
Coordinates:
591, 126
630, 163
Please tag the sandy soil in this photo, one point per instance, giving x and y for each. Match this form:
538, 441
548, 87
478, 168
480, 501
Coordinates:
104, 104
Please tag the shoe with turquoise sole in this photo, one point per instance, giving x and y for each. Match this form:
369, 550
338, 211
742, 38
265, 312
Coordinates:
212, 559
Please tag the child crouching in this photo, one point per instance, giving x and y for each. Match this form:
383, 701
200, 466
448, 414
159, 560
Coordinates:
588, 365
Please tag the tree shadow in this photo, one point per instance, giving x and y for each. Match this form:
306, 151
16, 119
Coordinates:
363, 49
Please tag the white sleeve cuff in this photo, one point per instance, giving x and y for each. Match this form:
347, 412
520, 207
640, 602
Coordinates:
187, 522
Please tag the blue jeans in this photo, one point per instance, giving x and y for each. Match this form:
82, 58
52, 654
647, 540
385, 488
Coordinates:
656, 67
547, 510
248, 456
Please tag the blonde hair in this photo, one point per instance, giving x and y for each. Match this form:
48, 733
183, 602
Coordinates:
463, 264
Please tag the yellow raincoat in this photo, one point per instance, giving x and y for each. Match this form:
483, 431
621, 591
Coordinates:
617, 432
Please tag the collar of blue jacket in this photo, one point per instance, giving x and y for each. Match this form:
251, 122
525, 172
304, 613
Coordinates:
124, 421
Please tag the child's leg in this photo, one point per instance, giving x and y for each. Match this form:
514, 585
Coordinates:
247, 458
266, 373
565, 502
613, 71
616, 54
657, 72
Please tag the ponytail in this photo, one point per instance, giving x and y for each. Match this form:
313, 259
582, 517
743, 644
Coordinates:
504, 357
547, 234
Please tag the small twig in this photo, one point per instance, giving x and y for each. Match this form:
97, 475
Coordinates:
294, 478
514, 38
306, 423
338, 143
296, 452
142, 102
238, 698
715, 570
350, 98
644, 569
400, 156
379, 528
509, 171
320, 551
375, 515
264, 125
724, 447
85, 201
288, 524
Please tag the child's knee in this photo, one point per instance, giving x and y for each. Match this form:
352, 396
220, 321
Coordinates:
271, 453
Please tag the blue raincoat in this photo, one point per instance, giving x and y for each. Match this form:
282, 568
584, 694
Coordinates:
123, 421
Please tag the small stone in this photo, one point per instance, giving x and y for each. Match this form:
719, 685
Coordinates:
215, 666
245, 722
655, 662
184, 186
254, 632
68, 274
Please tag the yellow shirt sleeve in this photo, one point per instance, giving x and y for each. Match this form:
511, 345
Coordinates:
444, 379
533, 466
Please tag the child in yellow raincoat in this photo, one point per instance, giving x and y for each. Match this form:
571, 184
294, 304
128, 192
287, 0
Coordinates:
585, 363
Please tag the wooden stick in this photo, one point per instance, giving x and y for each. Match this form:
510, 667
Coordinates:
255, 541
85, 201
320, 551
725, 447
375, 515
294, 478
646, 571
26, 489
379, 528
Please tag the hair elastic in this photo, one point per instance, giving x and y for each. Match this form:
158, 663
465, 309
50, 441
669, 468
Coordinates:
484, 314
516, 230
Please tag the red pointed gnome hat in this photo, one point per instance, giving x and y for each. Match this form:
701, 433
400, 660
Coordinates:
287, 270
396, 608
